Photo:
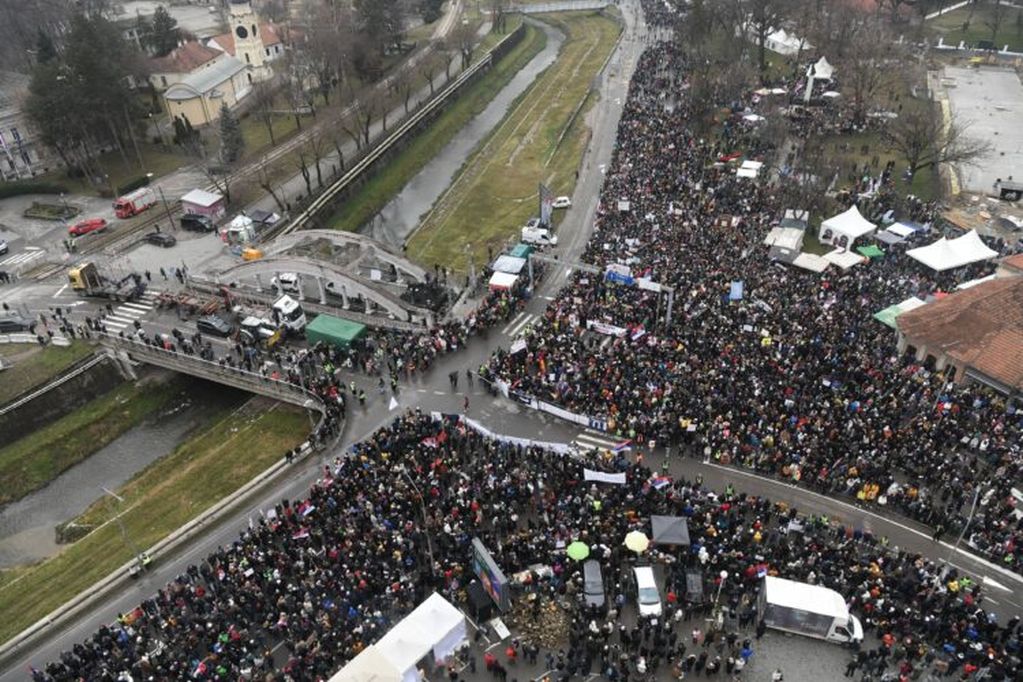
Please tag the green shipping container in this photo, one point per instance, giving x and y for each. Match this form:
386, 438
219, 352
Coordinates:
334, 330
521, 251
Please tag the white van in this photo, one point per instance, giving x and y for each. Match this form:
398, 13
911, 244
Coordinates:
287, 281
809, 610
648, 597
539, 236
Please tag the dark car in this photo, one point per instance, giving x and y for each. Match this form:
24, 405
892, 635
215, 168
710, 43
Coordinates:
593, 586
161, 239
196, 223
12, 323
214, 326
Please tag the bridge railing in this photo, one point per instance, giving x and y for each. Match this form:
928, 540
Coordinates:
214, 371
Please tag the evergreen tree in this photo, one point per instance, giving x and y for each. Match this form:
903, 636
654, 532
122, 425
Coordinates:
165, 32
231, 141
46, 52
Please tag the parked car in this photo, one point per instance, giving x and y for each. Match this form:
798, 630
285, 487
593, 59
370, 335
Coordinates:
288, 282
562, 202
86, 226
538, 236
532, 224
12, 323
161, 239
214, 326
194, 222
648, 597
4, 248
593, 586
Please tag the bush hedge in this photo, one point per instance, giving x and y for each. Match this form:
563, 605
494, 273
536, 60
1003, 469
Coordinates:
17, 189
132, 185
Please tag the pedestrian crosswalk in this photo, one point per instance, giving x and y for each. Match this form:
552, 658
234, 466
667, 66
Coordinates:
519, 324
126, 314
19, 259
590, 439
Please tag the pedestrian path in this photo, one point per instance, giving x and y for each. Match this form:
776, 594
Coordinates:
26, 256
127, 314
590, 439
519, 324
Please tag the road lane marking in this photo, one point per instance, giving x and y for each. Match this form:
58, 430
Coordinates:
60, 291
866, 512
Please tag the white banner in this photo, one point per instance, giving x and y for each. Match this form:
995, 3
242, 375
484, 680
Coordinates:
603, 328
601, 477
517, 346
645, 283
563, 413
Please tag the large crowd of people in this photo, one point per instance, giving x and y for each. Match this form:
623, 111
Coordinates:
796, 379
315, 580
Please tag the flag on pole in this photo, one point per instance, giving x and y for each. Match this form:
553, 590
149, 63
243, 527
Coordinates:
546, 205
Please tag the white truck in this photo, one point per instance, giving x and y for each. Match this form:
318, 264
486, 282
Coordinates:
809, 610
538, 236
290, 313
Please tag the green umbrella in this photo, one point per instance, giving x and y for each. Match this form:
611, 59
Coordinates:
578, 551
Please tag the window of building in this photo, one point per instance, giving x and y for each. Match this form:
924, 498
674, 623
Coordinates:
163, 81
247, 60
26, 159
250, 77
15, 134
255, 31
266, 50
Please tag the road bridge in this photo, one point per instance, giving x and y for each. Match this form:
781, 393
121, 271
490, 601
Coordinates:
357, 253
123, 350
327, 275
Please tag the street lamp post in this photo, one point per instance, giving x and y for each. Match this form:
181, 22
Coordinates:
422, 508
120, 524
966, 526
163, 199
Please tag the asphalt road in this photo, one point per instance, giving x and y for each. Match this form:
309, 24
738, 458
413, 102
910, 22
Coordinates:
431, 391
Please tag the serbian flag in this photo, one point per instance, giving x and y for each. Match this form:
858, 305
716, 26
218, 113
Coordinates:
659, 482
638, 333
300, 534
623, 446
429, 442
306, 508
199, 669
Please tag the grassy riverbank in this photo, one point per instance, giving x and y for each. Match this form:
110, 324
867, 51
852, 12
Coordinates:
367, 201
541, 139
30, 463
33, 365
214, 463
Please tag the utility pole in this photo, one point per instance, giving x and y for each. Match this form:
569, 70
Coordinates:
120, 524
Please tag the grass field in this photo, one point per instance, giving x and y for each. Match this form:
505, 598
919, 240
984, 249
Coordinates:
972, 24
156, 159
372, 196
34, 365
158, 500
496, 191
31, 462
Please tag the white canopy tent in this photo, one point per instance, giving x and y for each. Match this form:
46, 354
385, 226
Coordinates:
434, 626
822, 69
790, 238
844, 229
784, 43
369, 666
946, 254
843, 259
502, 280
510, 264
811, 262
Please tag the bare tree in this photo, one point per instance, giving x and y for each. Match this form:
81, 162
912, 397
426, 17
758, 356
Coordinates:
464, 37
301, 164
764, 17
993, 19
403, 83
498, 17
923, 140
265, 179
428, 67
262, 99
316, 144
867, 65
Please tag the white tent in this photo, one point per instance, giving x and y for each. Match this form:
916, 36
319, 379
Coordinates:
822, 69
369, 666
509, 264
844, 229
745, 173
811, 262
783, 42
502, 280
843, 259
435, 626
901, 230
946, 254
790, 238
